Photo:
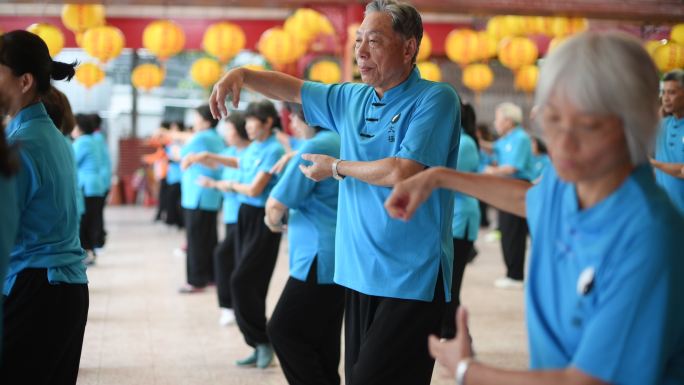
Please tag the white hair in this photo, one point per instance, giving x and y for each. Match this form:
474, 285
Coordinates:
510, 111
609, 74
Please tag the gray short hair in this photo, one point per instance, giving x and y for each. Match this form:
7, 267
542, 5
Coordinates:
405, 19
675, 75
607, 73
511, 111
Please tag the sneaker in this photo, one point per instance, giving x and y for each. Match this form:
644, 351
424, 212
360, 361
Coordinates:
90, 258
493, 236
264, 353
227, 317
509, 283
248, 361
189, 289
179, 252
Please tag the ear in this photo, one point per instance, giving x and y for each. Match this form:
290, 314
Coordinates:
410, 49
269, 122
26, 81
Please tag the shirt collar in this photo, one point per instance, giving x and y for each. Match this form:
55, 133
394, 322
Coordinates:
396, 91
27, 113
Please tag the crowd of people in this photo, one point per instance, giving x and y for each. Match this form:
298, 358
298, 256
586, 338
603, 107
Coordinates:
380, 193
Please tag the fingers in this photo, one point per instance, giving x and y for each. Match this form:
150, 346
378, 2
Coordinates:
236, 97
395, 205
434, 346
462, 320
213, 103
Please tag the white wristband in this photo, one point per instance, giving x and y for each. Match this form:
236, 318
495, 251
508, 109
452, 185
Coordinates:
461, 370
335, 174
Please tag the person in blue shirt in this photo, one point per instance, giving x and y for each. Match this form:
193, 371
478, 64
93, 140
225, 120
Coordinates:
669, 152
46, 292
256, 246
397, 275
174, 209
89, 162
201, 204
306, 323
540, 158
466, 222
105, 176
9, 209
224, 254
513, 157
603, 299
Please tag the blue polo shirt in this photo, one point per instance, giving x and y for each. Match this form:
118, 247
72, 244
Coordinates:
417, 120
106, 170
231, 205
259, 157
89, 163
466, 222
80, 200
670, 149
627, 327
9, 212
173, 172
313, 211
46, 199
539, 164
194, 196
515, 149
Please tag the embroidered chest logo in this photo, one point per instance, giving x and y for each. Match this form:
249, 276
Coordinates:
391, 132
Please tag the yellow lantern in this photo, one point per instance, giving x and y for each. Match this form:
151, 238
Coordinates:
560, 27
677, 33
578, 24
103, 43
147, 76
430, 71
540, 24
504, 26
325, 71
223, 40
526, 78
89, 74
669, 56
164, 38
478, 77
425, 48
51, 35
651, 45
486, 46
205, 72
306, 24
461, 46
517, 52
80, 17
279, 47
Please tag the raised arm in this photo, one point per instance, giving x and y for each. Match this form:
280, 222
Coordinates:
503, 193
674, 169
384, 172
273, 85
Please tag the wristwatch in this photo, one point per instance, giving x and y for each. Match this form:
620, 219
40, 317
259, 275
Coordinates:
335, 174
461, 370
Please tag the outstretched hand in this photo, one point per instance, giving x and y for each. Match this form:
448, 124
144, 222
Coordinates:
231, 83
321, 167
408, 195
448, 353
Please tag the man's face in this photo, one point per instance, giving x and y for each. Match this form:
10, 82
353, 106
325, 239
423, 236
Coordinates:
383, 56
673, 98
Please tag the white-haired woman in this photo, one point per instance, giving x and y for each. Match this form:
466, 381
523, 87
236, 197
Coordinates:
603, 299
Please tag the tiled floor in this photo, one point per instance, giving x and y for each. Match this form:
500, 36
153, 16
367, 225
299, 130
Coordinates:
140, 331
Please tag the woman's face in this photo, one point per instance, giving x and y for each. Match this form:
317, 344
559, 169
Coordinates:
299, 127
200, 123
583, 147
232, 138
256, 130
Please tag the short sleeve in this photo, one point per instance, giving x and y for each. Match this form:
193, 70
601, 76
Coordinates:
433, 127
270, 158
323, 103
293, 187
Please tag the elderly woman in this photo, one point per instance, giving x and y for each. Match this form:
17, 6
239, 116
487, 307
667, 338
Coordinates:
46, 303
603, 299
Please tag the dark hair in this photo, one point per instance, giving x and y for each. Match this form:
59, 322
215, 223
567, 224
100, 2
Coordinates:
295, 109
85, 123
165, 124
485, 132
675, 75
263, 110
59, 109
405, 19
541, 146
237, 119
9, 160
180, 124
468, 122
205, 113
97, 120
24, 52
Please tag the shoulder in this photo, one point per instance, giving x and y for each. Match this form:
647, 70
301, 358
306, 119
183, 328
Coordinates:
442, 91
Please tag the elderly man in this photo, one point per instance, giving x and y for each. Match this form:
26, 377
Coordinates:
669, 155
397, 274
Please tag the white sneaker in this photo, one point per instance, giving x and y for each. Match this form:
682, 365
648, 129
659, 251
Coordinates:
179, 252
509, 283
227, 317
492, 236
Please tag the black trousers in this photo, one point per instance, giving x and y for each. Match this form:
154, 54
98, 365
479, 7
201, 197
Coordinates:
386, 338
256, 255
305, 330
162, 200
174, 211
224, 264
101, 232
462, 249
484, 218
513, 243
202, 237
43, 331
90, 223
